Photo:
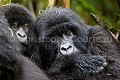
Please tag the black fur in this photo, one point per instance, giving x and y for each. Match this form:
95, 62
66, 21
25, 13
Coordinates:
21, 15
13, 65
56, 21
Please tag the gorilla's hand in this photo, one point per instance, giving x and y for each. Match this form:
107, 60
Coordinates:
88, 64
82, 64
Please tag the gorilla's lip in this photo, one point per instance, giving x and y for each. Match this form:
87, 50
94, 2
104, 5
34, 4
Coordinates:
61, 54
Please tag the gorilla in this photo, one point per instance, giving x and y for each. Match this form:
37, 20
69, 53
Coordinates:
20, 19
13, 65
71, 50
22, 23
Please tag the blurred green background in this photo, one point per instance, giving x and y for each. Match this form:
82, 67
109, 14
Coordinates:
107, 9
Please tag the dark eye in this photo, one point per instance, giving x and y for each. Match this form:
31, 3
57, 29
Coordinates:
68, 32
14, 25
25, 27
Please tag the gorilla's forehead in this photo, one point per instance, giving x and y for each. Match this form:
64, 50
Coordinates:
60, 29
19, 19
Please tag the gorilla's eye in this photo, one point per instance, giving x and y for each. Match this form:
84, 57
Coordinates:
14, 25
68, 32
25, 27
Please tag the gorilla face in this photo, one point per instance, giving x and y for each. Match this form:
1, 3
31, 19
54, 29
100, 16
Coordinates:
22, 24
59, 33
66, 45
20, 20
20, 31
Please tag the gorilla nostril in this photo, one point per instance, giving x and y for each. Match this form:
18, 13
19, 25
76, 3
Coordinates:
21, 35
64, 49
69, 47
24, 35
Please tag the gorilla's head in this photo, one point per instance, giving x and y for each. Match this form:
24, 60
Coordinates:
59, 33
20, 20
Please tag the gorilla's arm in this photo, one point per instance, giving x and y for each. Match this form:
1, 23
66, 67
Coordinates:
79, 65
103, 43
13, 65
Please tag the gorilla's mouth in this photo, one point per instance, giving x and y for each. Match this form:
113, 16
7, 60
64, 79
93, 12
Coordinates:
24, 44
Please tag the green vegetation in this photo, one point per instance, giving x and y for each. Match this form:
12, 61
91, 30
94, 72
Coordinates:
107, 11
3, 2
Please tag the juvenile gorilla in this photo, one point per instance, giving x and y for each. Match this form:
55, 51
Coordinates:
13, 65
70, 50
22, 23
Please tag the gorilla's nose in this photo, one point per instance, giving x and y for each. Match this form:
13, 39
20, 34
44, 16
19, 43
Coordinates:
22, 35
66, 49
